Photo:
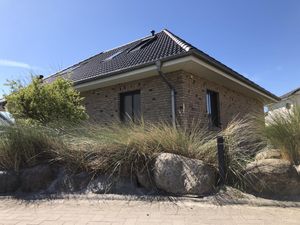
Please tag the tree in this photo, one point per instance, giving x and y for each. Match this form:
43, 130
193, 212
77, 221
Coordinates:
45, 103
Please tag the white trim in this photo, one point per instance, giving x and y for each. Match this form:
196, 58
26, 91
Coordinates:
104, 81
229, 77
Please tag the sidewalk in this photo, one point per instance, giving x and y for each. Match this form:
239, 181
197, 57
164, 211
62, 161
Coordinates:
122, 212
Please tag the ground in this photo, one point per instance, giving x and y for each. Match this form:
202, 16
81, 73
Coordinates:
138, 212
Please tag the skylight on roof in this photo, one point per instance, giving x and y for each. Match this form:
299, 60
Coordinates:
142, 44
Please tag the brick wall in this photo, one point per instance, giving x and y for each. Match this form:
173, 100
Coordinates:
232, 103
103, 105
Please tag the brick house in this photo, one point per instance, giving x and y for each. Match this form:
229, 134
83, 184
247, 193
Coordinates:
163, 78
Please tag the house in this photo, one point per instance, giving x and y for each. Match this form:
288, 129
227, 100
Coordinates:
5, 120
287, 101
161, 77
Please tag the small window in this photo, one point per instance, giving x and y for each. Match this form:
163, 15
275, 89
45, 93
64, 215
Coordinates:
114, 55
213, 107
130, 106
142, 44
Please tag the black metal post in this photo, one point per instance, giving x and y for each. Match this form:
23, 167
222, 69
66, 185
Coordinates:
221, 159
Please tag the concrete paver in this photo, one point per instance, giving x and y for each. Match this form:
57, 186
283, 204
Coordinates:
122, 212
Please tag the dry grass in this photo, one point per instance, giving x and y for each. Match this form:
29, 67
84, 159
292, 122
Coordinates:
25, 146
132, 147
125, 149
283, 132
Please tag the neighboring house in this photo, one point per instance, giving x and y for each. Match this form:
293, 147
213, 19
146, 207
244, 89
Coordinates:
5, 119
287, 101
163, 78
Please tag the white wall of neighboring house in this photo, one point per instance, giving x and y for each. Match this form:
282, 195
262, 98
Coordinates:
285, 105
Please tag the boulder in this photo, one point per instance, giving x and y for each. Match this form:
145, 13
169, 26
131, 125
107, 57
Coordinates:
9, 181
180, 175
272, 177
100, 185
68, 183
144, 178
36, 178
268, 154
111, 184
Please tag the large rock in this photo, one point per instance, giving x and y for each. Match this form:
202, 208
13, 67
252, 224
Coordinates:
113, 184
69, 183
145, 179
268, 154
180, 175
9, 181
100, 185
272, 177
36, 178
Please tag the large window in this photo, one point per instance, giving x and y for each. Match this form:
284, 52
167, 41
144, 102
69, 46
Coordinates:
130, 106
213, 107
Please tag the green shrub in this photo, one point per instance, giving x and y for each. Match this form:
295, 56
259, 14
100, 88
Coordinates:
283, 131
45, 103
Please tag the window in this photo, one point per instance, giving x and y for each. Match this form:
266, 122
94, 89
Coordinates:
114, 55
212, 106
130, 106
142, 44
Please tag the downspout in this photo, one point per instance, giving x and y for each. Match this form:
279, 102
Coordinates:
173, 97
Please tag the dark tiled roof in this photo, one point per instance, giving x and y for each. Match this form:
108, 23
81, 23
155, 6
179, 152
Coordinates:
164, 45
156, 47
290, 93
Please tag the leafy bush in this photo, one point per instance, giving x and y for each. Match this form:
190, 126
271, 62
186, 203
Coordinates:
45, 102
283, 131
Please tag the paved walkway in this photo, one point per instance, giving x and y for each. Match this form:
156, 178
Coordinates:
117, 212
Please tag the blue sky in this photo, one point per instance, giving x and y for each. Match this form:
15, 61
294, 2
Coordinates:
258, 38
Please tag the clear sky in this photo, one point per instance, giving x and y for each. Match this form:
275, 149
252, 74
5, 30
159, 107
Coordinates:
258, 38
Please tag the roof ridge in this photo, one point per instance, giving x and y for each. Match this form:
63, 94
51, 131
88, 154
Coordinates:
182, 43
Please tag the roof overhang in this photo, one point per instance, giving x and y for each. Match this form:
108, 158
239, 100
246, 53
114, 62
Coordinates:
193, 63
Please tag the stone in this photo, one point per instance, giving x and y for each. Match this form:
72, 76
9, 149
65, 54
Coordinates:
112, 184
100, 185
271, 177
268, 154
69, 183
36, 178
80, 181
180, 175
145, 179
9, 181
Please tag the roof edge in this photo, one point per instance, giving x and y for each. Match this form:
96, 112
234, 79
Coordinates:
236, 75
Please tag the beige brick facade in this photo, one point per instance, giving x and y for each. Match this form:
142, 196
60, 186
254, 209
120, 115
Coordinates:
103, 105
